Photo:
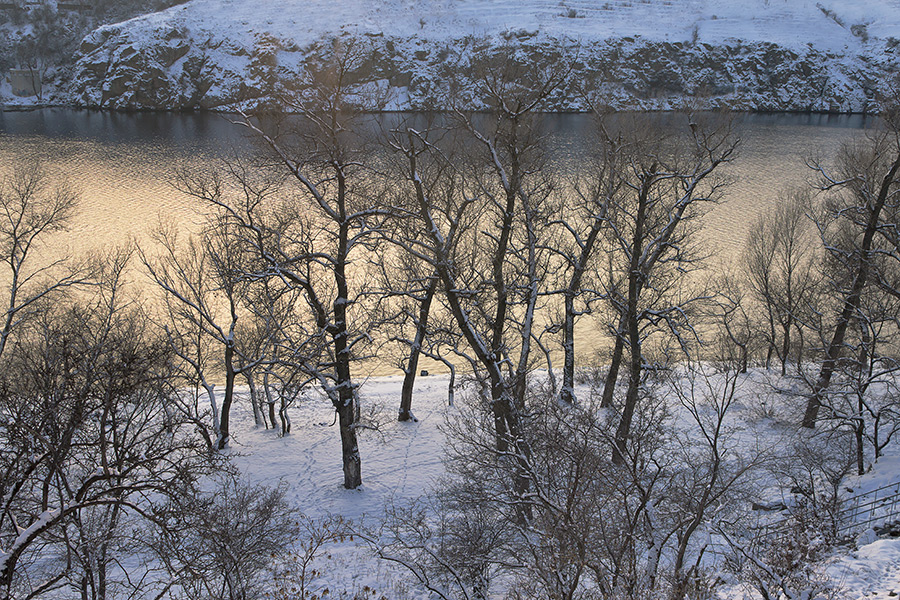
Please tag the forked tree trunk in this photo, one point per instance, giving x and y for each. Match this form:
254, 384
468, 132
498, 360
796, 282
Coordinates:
567, 394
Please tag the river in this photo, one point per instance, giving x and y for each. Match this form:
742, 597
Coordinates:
123, 165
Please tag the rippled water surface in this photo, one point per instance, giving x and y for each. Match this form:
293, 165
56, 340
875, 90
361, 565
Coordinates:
123, 164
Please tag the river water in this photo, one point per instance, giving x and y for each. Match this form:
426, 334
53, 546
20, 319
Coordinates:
123, 166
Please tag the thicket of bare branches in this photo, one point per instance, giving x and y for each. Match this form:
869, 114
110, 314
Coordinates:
456, 238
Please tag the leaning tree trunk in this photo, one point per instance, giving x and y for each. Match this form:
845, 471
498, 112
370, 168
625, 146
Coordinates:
635, 285
623, 432
612, 376
409, 380
852, 300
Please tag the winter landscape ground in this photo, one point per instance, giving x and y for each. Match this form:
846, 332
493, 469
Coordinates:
724, 440
404, 462
137, 466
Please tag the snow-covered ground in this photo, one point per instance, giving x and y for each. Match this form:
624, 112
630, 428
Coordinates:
402, 462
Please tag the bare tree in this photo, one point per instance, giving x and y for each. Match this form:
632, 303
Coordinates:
409, 294
595, 530
419, 321
734, 321
87, 445
782, 259
222, 544
713, 469
32, 210
861, 395
671, 175
863, 210
204, 293
277, 316
584, 216
309, 238
484, 223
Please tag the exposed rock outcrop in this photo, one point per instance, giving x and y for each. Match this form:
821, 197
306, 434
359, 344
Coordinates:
171, 69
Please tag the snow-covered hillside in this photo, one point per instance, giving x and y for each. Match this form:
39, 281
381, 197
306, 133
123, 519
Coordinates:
790, 23
830, 55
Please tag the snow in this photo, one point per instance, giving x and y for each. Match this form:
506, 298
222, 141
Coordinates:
26, 534
790, 23
400, 460
403, 461
873, 571
232, 45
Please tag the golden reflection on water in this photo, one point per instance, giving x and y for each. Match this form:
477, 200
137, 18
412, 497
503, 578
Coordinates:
123, 167
771, 158
124, 188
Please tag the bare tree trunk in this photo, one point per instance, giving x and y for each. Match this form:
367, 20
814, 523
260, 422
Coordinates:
415, 351
635, 284
859, 427
270, 401
852, 300
451, 386
800, 346
259, 416
224, 417
866, 349
631, 397
285, 418
567, 393
612, 376
346, 407
785, 346
773, 340
346, 410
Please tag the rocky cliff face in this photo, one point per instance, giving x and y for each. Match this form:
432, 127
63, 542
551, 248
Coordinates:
171, 69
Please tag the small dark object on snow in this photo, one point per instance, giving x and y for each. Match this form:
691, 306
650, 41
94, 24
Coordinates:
423, 373
888, 530
768, 506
